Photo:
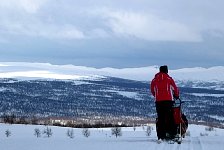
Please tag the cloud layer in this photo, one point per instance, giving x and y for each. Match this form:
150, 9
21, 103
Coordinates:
47, 19
121, 33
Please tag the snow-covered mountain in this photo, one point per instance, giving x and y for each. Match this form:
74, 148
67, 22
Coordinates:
212, 78
23, 138
46, 70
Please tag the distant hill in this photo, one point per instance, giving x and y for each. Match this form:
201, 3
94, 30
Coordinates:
102, 96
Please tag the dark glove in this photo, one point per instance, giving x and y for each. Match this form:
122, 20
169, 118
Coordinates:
175, 97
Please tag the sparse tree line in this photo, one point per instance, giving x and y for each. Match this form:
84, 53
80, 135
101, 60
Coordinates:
13, 119
47, 132
97, 125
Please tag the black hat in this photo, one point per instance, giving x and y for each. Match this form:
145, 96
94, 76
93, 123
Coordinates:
163, 69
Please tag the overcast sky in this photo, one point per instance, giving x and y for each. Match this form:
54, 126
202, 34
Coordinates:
113, 33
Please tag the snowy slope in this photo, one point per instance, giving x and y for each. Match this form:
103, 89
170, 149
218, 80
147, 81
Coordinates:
45, 70
22, 138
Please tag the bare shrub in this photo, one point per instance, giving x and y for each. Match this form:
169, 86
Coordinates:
70, 133
8, 133
209, 128
116, 131
37, 132
86, 132
48, 132
148, 130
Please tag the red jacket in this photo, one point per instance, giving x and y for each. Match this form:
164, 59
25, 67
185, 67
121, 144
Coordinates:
163, 87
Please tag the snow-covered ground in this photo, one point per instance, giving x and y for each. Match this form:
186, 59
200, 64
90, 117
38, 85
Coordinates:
205, 94
23, 138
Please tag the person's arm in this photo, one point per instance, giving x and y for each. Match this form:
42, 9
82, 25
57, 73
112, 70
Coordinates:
175, 89
152, 88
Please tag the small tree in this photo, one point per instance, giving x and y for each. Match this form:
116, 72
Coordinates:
116, 131
86, 132
37, 132
70, 133
48, 132
209, 128
148, 130
134, 127
8, 133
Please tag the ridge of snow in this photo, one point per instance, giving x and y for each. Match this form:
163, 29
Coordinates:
27, 70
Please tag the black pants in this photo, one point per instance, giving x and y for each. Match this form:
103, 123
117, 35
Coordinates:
165, 122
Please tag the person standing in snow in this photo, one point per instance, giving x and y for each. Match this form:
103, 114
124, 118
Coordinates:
164, 89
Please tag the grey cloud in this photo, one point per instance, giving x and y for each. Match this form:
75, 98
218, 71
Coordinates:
104, 33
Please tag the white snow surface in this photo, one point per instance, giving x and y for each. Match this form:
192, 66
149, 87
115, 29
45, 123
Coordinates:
26, 70
23, 138
206, 94
126, 94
